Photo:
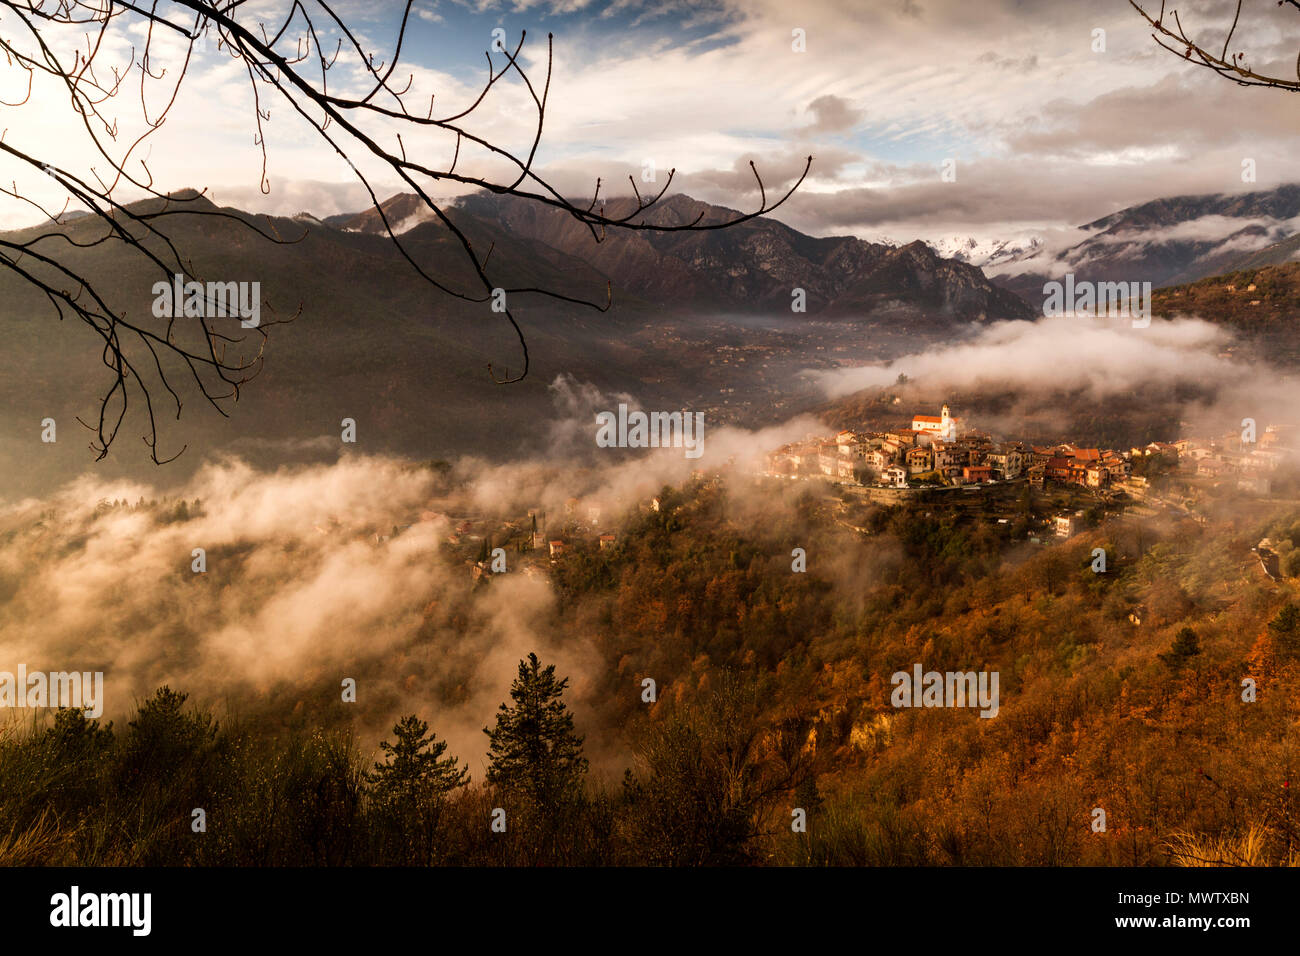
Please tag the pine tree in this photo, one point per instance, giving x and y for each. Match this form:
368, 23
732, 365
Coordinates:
534, 750
1286, 631
415, 767
74, 735
1186, 646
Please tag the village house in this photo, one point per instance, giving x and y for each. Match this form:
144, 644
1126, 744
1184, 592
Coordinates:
805, 453
1007, 463
919, 461
1067, 526
894, 477
1272, 436
1080, 454
851, 452
1057, 469
1117, 467
895, 447
828, 461
1269, 460
880, 459
948, 456
782, 463
1212, 467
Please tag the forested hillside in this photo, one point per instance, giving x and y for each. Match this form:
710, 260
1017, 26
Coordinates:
1120, 690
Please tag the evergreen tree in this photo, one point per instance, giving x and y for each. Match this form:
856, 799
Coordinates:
1186, 646
77, 748
534, 750
1286, 631
74, 735
163, 733
415, 767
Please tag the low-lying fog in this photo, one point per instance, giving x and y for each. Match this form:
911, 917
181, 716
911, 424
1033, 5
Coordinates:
301, 590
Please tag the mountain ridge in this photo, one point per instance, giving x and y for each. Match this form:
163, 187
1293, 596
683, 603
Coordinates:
1167, 241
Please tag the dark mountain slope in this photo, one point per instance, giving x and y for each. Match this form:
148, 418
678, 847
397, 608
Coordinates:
753, 267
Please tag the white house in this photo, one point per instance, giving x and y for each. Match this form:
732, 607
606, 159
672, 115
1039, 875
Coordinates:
894, 477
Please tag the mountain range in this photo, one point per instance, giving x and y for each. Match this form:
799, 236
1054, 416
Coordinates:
374, 342
1166, 242
984, 252
751, 267
697, 319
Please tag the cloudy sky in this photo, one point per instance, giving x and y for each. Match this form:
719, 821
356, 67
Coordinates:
1046, 132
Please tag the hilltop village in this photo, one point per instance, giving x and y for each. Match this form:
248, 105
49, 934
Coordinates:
939, 451
935, 461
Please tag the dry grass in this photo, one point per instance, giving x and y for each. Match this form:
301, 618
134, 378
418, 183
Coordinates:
41, 844
1247, 849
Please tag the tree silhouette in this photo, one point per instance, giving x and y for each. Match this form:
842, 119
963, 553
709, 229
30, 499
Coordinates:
415, 768
534, 750
1286, 631
1186, 646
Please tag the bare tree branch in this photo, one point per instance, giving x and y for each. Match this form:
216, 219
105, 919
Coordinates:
285, 63
1176, 39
